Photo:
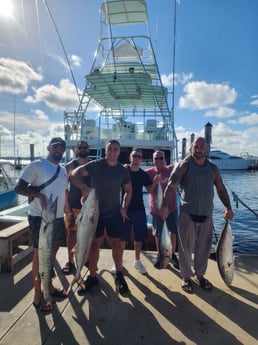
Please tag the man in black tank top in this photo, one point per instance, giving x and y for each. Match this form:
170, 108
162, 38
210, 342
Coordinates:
74, 203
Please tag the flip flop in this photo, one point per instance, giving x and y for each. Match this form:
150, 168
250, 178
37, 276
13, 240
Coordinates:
205, 284
187, 286
68, 268
46, 308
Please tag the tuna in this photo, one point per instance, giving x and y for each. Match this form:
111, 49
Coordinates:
165, 246
87, 221
224, 254
159, 196
45, 248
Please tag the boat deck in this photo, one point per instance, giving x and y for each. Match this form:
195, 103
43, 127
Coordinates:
156, 311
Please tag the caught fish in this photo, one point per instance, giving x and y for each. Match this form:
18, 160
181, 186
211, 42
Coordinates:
45, 248
87, 221
224, 254
165, 246
159, 196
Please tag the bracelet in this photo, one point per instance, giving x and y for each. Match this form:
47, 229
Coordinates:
70, 214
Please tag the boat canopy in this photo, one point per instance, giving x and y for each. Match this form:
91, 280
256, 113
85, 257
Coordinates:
124, 12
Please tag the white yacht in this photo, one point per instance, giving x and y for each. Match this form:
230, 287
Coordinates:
225, 161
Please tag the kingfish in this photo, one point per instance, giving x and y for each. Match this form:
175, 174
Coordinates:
224, 254
45, 248
165, 246
87, 221
159, 196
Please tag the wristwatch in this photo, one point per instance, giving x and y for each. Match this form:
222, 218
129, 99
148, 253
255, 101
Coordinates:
124, 207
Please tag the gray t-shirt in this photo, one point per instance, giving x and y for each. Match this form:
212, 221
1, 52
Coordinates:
108, 181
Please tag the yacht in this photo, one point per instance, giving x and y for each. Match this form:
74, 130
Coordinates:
124, 84
225, 161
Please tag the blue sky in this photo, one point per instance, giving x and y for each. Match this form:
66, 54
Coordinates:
216, 68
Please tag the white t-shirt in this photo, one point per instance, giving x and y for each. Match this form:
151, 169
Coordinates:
39, 172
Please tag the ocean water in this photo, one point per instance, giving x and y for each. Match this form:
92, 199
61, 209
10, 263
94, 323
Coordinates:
244, 186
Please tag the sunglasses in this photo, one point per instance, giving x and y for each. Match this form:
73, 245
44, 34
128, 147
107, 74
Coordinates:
159, 158
136, 156
82, 148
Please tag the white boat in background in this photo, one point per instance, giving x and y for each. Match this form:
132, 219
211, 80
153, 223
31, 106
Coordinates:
225, 161
125, 83
8, 197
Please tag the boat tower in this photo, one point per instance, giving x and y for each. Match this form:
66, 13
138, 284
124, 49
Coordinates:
125, 85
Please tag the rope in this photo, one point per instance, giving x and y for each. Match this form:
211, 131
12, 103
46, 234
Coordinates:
236, 199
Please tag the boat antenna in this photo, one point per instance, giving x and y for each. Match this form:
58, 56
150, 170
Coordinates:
174, 58
62, 45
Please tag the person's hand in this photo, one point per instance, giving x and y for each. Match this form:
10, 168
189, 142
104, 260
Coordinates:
71, 220
43, 199
228, 214
85, 192
124, 214
163, 212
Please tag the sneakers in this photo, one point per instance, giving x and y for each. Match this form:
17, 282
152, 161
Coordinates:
139, 266
175, 261
90, 282
121, 284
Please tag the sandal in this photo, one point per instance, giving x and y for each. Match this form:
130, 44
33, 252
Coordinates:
68, 268
59, 293
187, 286
205, 284
46, 308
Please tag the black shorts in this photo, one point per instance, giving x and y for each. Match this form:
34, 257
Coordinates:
114, 226
35, 223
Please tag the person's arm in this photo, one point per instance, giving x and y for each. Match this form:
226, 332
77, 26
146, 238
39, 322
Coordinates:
223, 194
22, 187
151, 189
76, 177
128, 192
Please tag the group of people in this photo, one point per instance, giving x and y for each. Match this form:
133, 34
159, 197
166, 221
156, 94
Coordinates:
120, 213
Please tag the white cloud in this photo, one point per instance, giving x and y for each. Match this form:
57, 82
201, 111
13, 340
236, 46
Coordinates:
220, 112
15, 76
57, 98
183, 78
75, 60
201, 95
251, 119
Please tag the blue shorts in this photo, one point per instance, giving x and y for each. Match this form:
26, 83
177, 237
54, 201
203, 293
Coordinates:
113, 225
138, 223
35, 223
171, 220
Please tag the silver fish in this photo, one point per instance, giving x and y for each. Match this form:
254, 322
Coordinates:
159, 196
45, 248
224, 254
87, 221
165, 246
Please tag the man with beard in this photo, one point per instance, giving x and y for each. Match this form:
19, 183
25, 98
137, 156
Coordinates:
47, 172
197, 177
74, 203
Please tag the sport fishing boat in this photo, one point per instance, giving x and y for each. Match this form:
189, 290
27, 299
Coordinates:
8, 196
124, 84
225, 161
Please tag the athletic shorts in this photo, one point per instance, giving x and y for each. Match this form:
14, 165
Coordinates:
137, 222
113, 225
171, 220
76, 212
35, 223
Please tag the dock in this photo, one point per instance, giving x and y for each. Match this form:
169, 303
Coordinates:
157, 311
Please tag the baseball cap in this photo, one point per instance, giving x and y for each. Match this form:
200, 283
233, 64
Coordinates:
57, 140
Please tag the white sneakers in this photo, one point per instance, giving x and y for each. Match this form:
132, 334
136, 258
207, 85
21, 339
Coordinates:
139, 266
